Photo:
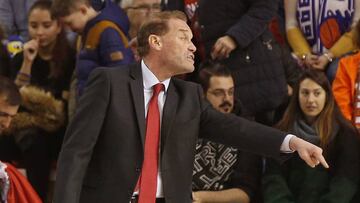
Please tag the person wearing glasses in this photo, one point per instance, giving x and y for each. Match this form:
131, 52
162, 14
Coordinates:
222, 173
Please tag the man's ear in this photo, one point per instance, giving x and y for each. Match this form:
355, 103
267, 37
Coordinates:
155, 42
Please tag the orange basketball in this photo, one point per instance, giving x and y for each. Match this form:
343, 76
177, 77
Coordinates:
329, 32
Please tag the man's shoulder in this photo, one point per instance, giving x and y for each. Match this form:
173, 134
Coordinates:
183, 84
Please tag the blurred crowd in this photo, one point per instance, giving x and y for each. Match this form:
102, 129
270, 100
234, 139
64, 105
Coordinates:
289, 64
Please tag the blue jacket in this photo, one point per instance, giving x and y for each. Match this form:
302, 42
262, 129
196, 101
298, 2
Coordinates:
110, 49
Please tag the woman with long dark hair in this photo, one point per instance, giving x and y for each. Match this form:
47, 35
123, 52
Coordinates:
314, 116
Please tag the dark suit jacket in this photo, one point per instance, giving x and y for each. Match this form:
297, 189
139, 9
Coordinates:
102, 152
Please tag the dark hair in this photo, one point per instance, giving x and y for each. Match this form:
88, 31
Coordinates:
42, 5
156, 25
9, 91
60, 51
209, 69
61, 8
325, 120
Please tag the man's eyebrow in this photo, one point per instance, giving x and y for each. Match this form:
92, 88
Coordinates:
186, 32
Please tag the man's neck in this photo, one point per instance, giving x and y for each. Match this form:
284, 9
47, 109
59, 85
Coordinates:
157, 69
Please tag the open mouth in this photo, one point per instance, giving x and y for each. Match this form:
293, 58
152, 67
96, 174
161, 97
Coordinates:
191, 57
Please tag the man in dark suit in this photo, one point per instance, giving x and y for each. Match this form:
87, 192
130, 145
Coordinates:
103, 152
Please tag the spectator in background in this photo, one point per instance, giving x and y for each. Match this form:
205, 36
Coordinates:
321, 31
45, 64
14, 187
222, 173
237, 34
314, 116
138, 11
346, 83
13, 17
104, 32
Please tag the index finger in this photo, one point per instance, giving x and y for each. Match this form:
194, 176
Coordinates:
322, 160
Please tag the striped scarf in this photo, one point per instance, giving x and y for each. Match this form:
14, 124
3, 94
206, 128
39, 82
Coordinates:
323, 22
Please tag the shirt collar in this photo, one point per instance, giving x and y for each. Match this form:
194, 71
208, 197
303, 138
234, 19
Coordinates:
150, 79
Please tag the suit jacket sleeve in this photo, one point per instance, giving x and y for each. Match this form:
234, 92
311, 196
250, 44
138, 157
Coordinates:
240, 133
81, 137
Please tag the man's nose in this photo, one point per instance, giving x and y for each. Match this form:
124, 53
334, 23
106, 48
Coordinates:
192, 47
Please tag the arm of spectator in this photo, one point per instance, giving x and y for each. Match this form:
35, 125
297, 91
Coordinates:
345, 43
113, 50
294, 35
23, 76
254, 22
292, 70
342, 88
275, 188
6, 16
343, 182
233, 195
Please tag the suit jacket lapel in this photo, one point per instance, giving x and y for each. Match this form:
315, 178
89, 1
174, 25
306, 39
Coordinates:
137, 92
169, 112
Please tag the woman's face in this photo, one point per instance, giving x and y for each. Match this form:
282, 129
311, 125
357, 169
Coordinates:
42, 27
312, 99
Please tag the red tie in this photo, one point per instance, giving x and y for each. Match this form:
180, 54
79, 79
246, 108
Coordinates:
148, 180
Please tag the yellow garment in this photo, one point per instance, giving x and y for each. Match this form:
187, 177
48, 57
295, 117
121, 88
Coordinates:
344, 45
300, 46
297, 42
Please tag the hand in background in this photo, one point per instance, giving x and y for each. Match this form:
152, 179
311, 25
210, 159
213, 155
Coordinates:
310, 60
310, 153
31, 49
223, 47
323, 61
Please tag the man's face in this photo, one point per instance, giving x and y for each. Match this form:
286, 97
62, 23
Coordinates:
139, 11
177, 48
7, 112
221, 93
